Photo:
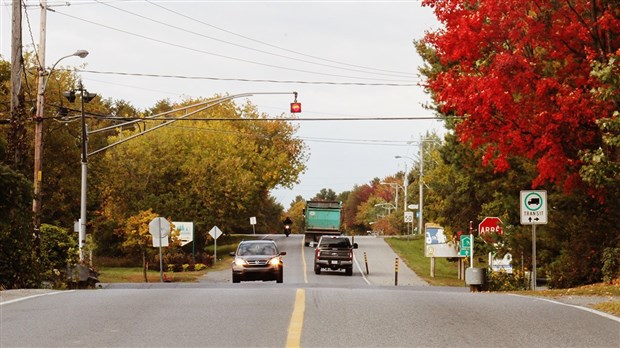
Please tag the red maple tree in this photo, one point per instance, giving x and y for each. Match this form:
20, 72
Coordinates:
519, 72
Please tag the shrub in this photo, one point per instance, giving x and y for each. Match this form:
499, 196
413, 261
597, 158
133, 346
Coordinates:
58, 250
185, 267
611, 264
199, 266
503, 281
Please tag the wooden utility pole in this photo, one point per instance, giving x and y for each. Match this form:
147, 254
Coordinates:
38, 127
17, 132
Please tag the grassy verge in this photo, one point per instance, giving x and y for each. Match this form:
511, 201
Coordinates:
411, 251
611, 291
225, 245
136, 275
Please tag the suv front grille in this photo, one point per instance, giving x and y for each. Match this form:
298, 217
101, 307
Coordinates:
257, 263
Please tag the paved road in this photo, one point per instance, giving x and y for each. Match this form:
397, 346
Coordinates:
308, 310
299, 261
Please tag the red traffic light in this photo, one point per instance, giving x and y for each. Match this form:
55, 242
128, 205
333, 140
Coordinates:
295, 107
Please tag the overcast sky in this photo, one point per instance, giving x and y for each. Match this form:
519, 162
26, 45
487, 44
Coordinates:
344, 58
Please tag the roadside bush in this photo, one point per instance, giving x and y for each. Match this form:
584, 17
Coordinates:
568, 271
503, 281
176, 261
611, 264
59, 249
125, 261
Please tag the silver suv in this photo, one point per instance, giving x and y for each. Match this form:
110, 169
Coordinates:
257, 260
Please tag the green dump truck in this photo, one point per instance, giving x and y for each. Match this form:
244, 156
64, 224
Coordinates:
321, 218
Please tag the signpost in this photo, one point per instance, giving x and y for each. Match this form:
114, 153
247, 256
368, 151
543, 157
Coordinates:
253, 223
215, 232
159, 227
533, 206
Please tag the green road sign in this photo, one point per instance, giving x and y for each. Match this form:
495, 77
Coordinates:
465, 245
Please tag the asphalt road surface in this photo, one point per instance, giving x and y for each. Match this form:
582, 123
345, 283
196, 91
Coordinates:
308, 310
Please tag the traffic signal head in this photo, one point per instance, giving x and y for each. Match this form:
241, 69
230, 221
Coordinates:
295, 107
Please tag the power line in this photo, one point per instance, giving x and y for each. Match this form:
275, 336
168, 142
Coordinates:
242, 79
273, 46
407, 75
377, 142
389, 118
219, 55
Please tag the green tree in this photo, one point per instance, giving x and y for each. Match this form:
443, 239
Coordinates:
18, 266
59, 250
325, 195
210, 172
137, 240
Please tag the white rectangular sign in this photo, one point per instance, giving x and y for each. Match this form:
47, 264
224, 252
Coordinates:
408, 216
533, 207
437, 244
186, 231
164, 241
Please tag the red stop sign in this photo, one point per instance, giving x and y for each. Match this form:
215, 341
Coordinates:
490, 225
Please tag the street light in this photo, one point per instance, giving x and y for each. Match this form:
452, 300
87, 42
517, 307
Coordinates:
38, 139
420, 204
406, 185
396, 187
387, 206
85, 96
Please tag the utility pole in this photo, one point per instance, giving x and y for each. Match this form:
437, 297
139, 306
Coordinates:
17, 132
421, 203
38, 129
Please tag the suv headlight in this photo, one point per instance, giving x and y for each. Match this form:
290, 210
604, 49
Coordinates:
275, 261
240, 262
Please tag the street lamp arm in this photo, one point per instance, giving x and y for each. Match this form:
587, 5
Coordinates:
78, 53
209, 104
147, 131
212, 102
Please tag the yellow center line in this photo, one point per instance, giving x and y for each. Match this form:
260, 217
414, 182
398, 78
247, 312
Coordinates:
293, 340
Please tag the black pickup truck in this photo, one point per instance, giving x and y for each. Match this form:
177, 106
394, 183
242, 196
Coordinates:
334, 252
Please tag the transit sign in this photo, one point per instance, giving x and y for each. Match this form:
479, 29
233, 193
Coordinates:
533, 207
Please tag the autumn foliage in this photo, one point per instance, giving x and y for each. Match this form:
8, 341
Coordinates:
519, 73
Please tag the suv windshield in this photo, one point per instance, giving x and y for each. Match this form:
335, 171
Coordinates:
256, 249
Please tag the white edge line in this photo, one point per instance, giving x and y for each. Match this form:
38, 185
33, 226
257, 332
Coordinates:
33, 296
594, 311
